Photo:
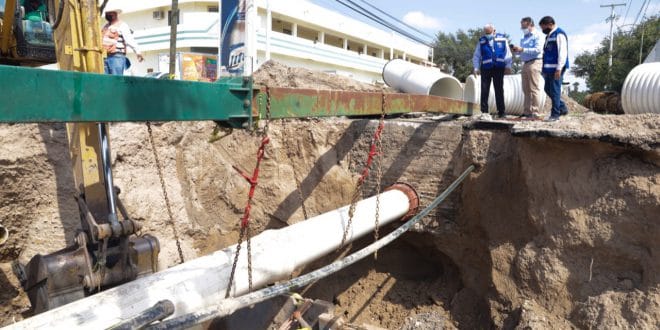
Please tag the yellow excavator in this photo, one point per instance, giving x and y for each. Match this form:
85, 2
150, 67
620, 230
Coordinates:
26, 32
107, 250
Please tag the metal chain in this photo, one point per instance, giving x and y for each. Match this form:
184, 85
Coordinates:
357, 193
379, 172
241, 237
351, 210
165, 196
245, 223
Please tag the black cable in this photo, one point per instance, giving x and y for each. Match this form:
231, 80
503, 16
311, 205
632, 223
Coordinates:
380, 21
58, 17
639, 13
627, 10
398, 20
410, 35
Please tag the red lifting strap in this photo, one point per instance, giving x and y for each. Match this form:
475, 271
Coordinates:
252, 180
372, 153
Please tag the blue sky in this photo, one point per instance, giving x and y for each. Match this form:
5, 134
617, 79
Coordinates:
583, 20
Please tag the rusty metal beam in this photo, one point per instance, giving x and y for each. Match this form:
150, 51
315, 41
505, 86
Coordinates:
299, 103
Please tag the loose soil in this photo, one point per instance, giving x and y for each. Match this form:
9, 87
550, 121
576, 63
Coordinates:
557, 227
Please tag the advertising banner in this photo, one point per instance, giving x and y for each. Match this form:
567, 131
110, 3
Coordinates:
233, 52
192, 67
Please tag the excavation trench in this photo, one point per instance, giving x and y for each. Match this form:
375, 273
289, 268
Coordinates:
557, 227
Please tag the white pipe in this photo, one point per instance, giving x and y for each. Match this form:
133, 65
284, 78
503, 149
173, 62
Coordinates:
641, 89
228, 306
514, 99
200, 283
416, 79
4, 235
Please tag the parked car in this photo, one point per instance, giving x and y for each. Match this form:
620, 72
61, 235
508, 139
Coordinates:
158, 75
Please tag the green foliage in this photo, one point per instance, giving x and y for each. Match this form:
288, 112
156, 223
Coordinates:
454, 51
593, 66
577, 95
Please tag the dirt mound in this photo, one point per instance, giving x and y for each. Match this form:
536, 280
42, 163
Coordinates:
273, 73
573, 106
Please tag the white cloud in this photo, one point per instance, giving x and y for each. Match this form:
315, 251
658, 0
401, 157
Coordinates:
587, 39
422, 21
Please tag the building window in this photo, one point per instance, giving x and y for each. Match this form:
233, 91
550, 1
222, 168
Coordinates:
307, 33
334, 41
282, 26
212, 9
371, 51
356, 47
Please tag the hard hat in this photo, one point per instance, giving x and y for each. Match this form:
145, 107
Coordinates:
113, 9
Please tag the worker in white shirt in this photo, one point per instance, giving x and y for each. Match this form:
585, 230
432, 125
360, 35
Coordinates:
492, 60
530, 52
555, 64
117, 38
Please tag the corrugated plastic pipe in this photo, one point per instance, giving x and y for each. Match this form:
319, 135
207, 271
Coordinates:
201, 283
416, 79
514, 99
641, 89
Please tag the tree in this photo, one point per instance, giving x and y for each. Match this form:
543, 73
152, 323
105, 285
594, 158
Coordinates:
593, 66
577, 95
454, 51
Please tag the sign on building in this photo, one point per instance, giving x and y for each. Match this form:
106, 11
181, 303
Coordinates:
191, 66
233, 49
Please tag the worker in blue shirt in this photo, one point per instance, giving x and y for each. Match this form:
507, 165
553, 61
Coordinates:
555, 64
530, 52
492, 59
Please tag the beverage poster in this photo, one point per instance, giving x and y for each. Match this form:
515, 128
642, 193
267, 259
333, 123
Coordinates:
233, 34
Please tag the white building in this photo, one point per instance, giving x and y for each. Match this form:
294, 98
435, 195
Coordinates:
295, 32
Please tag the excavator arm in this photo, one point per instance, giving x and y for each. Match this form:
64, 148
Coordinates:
106, 252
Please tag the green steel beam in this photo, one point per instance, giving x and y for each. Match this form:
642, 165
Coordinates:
35, 95
298, 103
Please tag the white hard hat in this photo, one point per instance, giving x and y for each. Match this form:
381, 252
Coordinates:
113, 9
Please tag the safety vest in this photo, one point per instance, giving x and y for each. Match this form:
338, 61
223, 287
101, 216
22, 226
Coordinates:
551, 52
493, 56
113, 40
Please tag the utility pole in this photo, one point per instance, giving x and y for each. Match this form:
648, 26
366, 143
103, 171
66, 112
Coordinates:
174, 23
641, 44
611, 19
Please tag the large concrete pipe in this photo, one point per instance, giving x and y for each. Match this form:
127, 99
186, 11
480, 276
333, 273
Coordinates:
416, 79
4, 235
514, 99
201, 283
641, 89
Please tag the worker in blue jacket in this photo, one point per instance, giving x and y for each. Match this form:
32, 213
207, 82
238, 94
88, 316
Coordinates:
492, 59
555, 64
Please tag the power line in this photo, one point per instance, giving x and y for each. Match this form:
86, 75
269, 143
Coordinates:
350, 9
627, 10
388, 24
368, 14
397, 20
639, 13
